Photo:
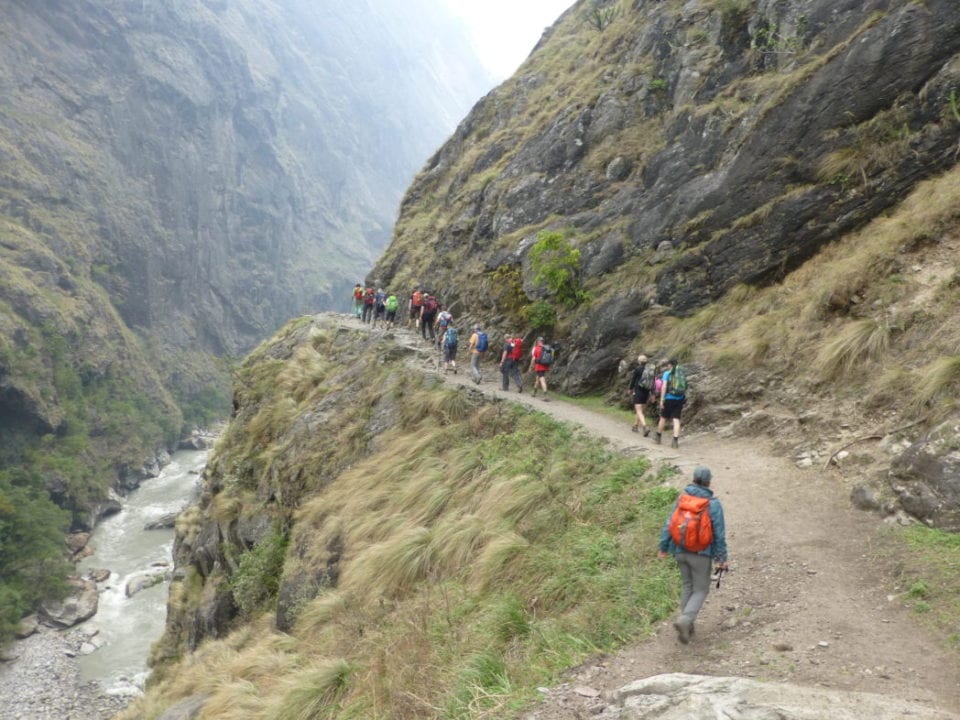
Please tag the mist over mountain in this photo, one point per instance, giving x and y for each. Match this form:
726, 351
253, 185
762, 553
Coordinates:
179, 178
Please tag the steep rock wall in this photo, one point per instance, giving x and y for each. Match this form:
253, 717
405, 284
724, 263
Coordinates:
685, 148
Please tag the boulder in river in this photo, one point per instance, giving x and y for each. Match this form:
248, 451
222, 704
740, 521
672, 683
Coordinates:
164, 522
99, 575
80, 604
142, 582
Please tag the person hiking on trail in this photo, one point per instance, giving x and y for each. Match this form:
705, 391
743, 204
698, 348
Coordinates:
450, 349
379, 306
444, 320
391, 305
510, 360
416, 302
428, 313
541, 358
641, 386
695, 535
369, 298
478, 348
357, 299
673, 393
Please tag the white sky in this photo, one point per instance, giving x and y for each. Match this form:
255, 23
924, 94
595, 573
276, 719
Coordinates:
505, 31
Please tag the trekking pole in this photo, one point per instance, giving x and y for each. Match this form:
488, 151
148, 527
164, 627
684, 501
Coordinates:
718, 575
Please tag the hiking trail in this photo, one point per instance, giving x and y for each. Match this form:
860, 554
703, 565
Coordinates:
810, 599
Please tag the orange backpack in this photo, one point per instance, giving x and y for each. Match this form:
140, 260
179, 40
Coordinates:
690, 524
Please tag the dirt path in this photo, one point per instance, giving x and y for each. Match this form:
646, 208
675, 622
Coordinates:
808, 600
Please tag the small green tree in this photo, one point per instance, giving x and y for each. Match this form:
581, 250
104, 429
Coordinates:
542, 315
33, 565
601, 14
556, 266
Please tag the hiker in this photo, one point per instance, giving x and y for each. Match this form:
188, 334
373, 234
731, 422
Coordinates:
416, 301
509, 362
369, 298
357, 299
428, 313
444, 320
541, 358
379, 306
391, 305
696, 537
641, 385
450, 349
673, 393
478, 348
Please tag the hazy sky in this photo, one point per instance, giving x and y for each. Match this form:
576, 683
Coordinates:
505, 31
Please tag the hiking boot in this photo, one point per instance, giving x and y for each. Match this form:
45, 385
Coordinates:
634, 428
675, 443
684, 627
646, 432
520, 389
658, 439
546, 399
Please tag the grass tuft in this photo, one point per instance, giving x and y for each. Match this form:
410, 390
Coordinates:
859, 341
935, 378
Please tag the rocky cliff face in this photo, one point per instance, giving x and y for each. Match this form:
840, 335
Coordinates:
684, 148
177, 179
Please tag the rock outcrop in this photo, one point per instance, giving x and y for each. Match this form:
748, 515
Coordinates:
679, 697
926, 477
79, 604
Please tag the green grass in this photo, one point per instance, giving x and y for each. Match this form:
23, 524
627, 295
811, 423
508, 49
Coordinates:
932, 580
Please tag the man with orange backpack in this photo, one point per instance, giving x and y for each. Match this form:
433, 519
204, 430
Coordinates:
695, 535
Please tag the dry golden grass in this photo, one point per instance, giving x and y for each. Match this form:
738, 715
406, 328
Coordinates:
936, 378
852, 347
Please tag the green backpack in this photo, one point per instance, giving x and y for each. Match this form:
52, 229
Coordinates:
677, 384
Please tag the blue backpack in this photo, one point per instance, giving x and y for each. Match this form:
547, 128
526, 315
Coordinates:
482, 342
450, 339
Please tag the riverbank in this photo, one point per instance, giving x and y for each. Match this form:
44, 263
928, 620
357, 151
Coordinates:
43, 681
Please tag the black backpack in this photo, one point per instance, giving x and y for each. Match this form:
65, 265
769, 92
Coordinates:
546, 355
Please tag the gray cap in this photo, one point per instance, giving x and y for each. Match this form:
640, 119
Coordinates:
702, 475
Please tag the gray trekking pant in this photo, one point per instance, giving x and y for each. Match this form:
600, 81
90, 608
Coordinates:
694, 582
475, 359
509, 370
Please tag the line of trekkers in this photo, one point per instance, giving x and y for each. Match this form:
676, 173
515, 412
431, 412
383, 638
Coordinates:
434, 322
661, 387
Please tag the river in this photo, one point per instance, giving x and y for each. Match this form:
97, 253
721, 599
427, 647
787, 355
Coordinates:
128, 626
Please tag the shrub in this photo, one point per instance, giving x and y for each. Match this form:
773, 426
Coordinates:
32, 562
541, 315
556, 267
257, 578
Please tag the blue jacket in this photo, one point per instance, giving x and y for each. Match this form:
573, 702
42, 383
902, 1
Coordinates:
718, 548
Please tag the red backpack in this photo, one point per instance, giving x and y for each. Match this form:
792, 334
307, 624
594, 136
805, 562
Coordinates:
690, 525
516, 353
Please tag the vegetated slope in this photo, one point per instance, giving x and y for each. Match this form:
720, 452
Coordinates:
685, 149
424, 552
176, 180
369, 543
